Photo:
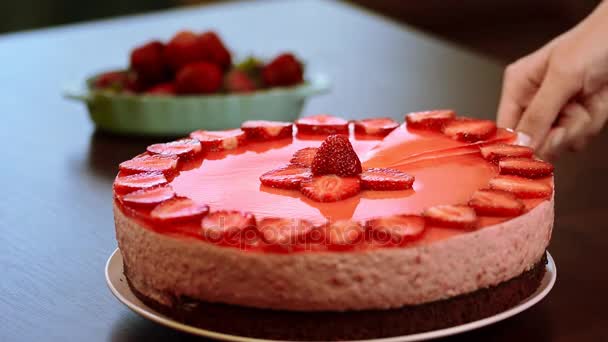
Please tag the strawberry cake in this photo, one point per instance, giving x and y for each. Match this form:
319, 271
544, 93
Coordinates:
378, 227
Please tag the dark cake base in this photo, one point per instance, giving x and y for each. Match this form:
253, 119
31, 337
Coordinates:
369, 324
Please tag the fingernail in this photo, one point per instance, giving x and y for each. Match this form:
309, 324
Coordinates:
523, 139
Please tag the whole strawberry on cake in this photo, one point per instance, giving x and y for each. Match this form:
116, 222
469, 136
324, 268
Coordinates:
378, 227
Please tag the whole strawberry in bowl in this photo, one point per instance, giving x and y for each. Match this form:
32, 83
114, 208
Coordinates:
193, 81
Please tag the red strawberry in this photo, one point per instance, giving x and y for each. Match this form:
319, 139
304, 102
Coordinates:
343, 234
198, 78
179, 209
115, 80
385, 179
287, 177
521, 187
237, 81
229, 226
184, 48
376, 126
139, 181
184, 148
525, 167
286, 232
452, 216
304, 157
150, 196
220, 140
336, 156
322, 124
432, 119
330, 188
148, 62
470, 130
213, 50
162, 89
150, 163
496, 203
495, 152
396, 229
267, 130
284, 70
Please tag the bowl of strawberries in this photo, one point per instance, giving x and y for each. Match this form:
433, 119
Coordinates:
194, 82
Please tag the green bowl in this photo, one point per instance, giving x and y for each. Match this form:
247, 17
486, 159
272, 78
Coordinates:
131, 114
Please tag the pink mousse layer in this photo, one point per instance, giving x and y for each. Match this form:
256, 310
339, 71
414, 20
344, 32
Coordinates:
163, 267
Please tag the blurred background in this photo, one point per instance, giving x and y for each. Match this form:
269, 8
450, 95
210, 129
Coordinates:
500, 29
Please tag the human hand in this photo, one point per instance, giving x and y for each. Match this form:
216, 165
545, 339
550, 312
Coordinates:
559, 94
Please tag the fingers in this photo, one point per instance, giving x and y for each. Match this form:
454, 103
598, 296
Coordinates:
556, 90
570, 132
520, 81
577, 125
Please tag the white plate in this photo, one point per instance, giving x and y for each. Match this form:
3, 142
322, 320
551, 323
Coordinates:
118, 285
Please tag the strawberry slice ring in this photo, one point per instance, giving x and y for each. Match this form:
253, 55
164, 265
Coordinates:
470, 130
343, 234
267, 130
396, 229
525, 167
229, 227
184, 148
150, 196
178, 209
322, 124
433, 119
496, 152
375, 126
496, 203
150, 163
220, 140
284, 232
451, 216
138, 181
521, 187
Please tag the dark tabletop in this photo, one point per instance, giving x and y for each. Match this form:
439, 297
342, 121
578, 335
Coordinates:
56, 225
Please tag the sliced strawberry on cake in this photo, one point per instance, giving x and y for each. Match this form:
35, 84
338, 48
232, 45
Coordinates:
139, 181
184, 148
150, 196
287, 177
385, 179
343, 234
220, 140
470, 130
336, 156
330, 188
496, 203
396, 229
496, 152
375, 126
525, 167
267, 130
150, 163
179, 209
229, 227
322, 124
451, 216
283, 231
304, 157
432, 120
521, 187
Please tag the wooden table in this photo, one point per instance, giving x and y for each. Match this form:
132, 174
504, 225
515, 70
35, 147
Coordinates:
56, 226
